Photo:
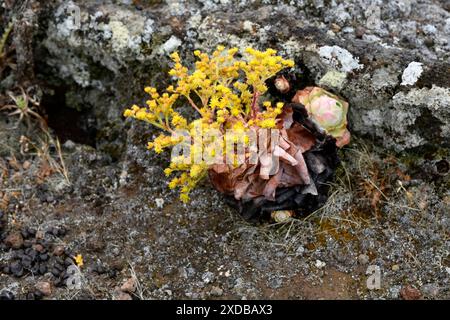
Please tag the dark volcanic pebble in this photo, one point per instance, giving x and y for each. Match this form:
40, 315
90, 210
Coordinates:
99, 269
57, 231
55, 272
59, 267
59, 260
16, 269
37, 294
59, 282
32, 232
2, 221
35, 269
30, 255
62, 231
43, 257
27, 244
33, 254
68, 262
6, 295
26, 262
42, 269
25, 234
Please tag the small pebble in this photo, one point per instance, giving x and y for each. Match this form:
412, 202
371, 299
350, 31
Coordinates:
410, 293
6, 270
16, 269
363, 259
32, 232
359, 32
44, 257
430, 290
37, 294
44, 287
55, 272
14, 240
68, 262
6, 295
59, 267
216, 291
25, 233
27, 244
30, 296
40, 234
42, 269
320, 264
122, 296
38, 247
58, 251
26, 165
129, 285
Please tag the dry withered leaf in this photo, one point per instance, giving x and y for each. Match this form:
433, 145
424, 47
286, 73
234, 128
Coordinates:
307, 160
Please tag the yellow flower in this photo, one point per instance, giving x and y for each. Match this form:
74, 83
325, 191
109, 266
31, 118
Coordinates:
141, 115
179, 121
235, 111
267, 123
184, 197
222, 100
173, 183
196, 170
79, 260
127, 113
214, 103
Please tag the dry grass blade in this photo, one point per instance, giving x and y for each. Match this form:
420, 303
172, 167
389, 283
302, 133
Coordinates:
49, 164
139, 292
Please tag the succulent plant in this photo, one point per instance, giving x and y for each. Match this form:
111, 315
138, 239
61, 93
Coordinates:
327, 110
287, 170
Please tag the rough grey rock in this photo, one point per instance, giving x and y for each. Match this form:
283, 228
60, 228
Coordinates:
116, 49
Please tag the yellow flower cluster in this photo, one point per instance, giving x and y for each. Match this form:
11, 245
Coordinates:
262, 66
267, 119
225, 92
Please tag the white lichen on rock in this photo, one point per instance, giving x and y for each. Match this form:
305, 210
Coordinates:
170, 45
436, 99
120, 35
109, 37
412, 73
339, 58
384, 78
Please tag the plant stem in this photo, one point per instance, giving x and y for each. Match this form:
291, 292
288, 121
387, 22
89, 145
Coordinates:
193, 104
4, 37
254, 106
